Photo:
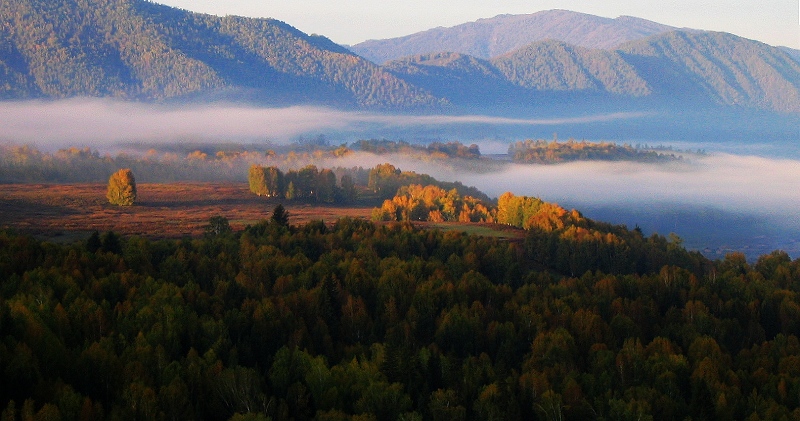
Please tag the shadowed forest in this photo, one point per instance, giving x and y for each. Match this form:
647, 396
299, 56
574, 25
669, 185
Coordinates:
363, 321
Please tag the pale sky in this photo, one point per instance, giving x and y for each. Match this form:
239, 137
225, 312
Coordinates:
775, 22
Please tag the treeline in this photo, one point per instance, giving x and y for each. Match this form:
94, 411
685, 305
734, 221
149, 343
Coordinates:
386, 179
544, 152
415, 202
434, 149
308, 183
379, 183
386, 322
27, 164
431, 203
192, 162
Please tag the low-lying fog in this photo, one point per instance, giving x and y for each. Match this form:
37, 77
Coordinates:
103, 122
738, 197
721, 202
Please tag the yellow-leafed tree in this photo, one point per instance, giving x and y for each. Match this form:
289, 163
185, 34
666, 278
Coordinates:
122, 188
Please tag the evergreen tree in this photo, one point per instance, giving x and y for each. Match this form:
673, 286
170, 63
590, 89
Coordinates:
218, 225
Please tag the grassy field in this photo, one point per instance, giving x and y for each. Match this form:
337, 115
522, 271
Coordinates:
69, 212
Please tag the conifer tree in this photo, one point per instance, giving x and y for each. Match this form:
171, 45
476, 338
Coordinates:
280, 216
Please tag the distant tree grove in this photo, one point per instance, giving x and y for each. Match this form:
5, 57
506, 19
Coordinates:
544, 152
308, 183
384, 322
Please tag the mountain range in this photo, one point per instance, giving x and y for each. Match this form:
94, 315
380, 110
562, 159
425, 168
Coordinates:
487, 38
139, 50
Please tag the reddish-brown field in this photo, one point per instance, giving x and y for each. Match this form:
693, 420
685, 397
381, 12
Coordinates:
71, 211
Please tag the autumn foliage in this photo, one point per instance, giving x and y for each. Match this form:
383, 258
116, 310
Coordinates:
122, 188
434, 204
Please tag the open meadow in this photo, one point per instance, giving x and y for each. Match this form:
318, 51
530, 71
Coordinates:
69, 212
72, 211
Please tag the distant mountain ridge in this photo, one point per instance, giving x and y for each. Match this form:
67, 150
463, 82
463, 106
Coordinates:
488, 38
701, 67
139, 50
135, 49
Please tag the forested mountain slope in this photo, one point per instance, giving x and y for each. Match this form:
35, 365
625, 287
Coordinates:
722, 67
556, 66
487, 38
459, 78
793, 53
134, 49
707, 68
138, 50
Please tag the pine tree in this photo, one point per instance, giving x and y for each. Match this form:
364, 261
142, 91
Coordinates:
280, 216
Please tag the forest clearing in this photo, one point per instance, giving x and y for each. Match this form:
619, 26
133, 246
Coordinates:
163, 210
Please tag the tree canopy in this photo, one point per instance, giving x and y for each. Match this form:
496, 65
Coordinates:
122, 188
388, 321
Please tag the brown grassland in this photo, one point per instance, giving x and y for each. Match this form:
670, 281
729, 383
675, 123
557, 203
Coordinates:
174, 210
70, 212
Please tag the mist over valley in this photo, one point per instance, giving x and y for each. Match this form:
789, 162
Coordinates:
131, 75
739, 193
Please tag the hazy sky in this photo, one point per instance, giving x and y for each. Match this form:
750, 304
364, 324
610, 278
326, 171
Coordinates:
776, 22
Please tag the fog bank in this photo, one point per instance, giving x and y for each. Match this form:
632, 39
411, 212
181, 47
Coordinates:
102, 122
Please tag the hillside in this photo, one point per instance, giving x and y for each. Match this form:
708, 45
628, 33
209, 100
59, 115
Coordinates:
724, 68
142, 51
356, 320
556, 66
134, 49
459, 78
793, 53
708, 68
487, 38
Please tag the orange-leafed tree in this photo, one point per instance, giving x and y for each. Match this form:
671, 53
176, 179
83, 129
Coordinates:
122, 188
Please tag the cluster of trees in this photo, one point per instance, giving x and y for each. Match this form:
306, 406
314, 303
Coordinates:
560, 239
431, 203
531, 212
544, 152
435, 149
308, 183
385, 322
386, 179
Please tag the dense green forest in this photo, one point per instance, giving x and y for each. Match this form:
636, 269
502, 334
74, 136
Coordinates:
361, 321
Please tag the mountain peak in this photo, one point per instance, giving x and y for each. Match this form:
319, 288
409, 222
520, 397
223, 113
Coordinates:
491, 37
